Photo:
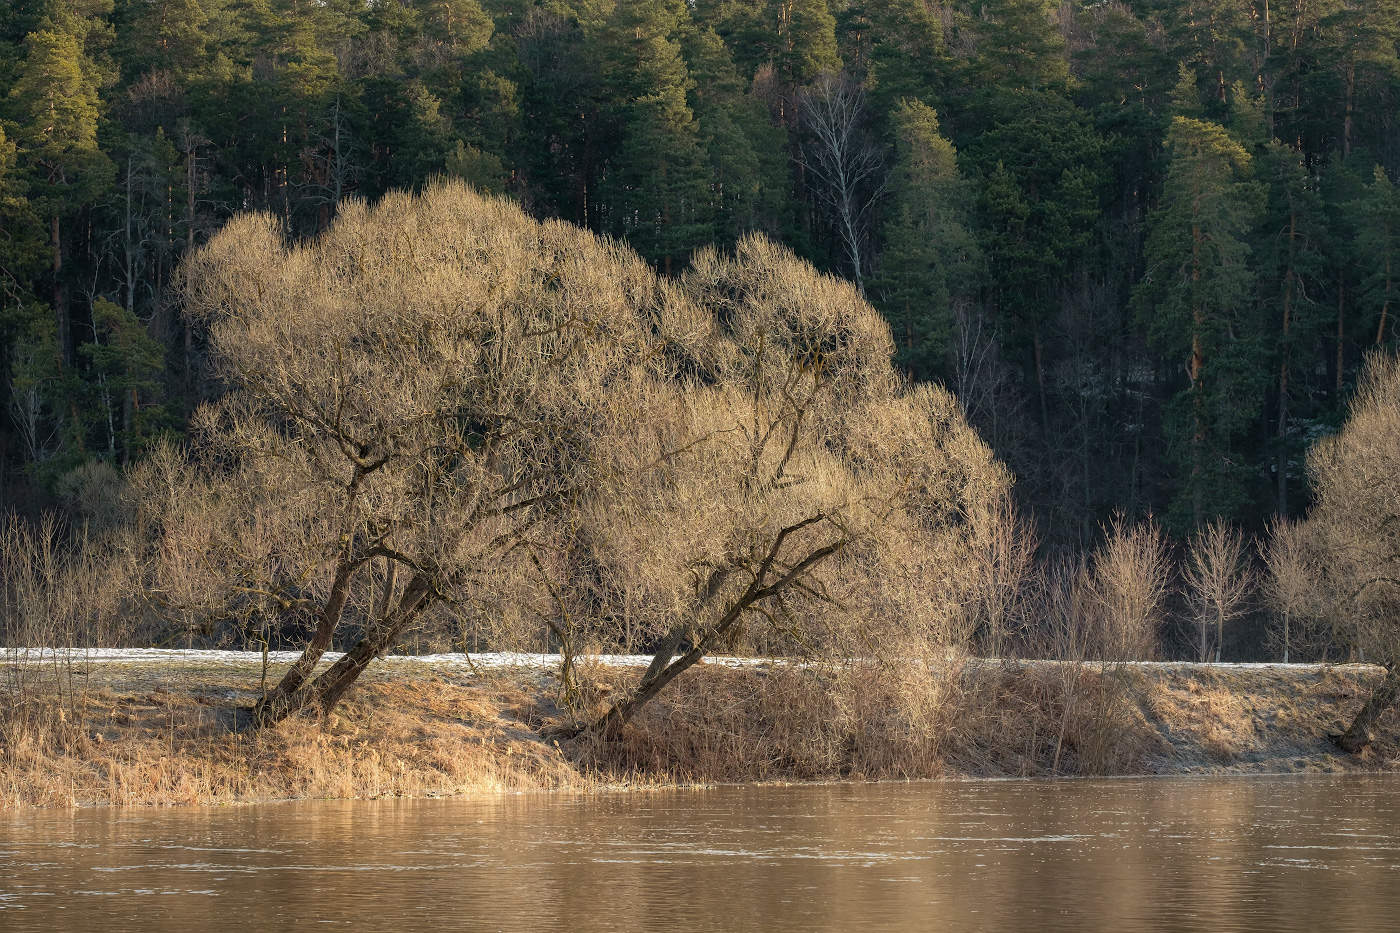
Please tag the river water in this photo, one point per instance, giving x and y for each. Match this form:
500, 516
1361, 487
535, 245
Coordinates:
1218, 854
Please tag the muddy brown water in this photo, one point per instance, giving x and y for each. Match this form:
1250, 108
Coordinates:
1218, 854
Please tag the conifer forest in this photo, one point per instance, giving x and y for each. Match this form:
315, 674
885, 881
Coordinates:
1146, 243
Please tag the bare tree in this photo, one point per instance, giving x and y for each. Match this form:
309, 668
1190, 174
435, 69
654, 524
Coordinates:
411, 394
1355, 526
1218, 581
804, 488
442, 406
845, 164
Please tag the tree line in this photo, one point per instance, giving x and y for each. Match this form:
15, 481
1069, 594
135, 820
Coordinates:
1146, 243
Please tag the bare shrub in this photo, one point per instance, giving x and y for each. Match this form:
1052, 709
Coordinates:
1290, 583
1127, 586
1002, 566
1355, 526
1218, 582
59, 591
1096, 614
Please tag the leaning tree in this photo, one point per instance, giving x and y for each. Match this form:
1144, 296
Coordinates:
785, 479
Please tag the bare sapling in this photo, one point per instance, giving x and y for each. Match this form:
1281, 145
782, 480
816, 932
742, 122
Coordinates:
1290, 581
1219, 581
1128, 580
1002, 556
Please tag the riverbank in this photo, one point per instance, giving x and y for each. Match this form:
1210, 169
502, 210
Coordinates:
140, 729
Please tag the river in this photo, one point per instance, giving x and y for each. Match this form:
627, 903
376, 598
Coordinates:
1219, 854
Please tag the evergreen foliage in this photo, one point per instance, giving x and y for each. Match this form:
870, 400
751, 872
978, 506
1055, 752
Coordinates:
1149, 242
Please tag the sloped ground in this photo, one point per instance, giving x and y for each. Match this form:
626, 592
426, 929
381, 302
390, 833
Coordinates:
133, 730
1269, 719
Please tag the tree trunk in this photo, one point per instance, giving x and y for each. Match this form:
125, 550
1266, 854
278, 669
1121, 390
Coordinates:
1346, 120
1198, 427
1385, 303
1358, 734
1289, 280
60, 297
1198, 358
1341, 334
1040, 382
622, 713
188, 334
277, 705
328, 688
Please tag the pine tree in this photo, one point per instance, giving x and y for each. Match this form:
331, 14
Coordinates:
55, 100
745, 151
1362, 41
1293, 270
164, 35
21, 244
459, 27
1195, 300
124, 369
1211, 39
805, 40
907, 57
1018, 45
1378, 252
1041, 165
657, 181
929, 258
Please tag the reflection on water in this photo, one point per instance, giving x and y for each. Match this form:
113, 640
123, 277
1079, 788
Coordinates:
1262, 854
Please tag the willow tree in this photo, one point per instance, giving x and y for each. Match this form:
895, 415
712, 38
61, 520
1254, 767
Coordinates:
409, 395
806, 490
441, 403
1355, 525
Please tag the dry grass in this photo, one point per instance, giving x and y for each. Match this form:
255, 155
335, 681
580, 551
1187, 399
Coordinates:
144, 735
424, 737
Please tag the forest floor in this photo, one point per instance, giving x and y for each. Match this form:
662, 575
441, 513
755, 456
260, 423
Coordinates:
153, 728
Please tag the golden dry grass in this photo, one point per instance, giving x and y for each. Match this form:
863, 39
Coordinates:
138, 735
423, 737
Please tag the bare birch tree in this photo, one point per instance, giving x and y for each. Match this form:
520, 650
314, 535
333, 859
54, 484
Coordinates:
845, 165
1289, 585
